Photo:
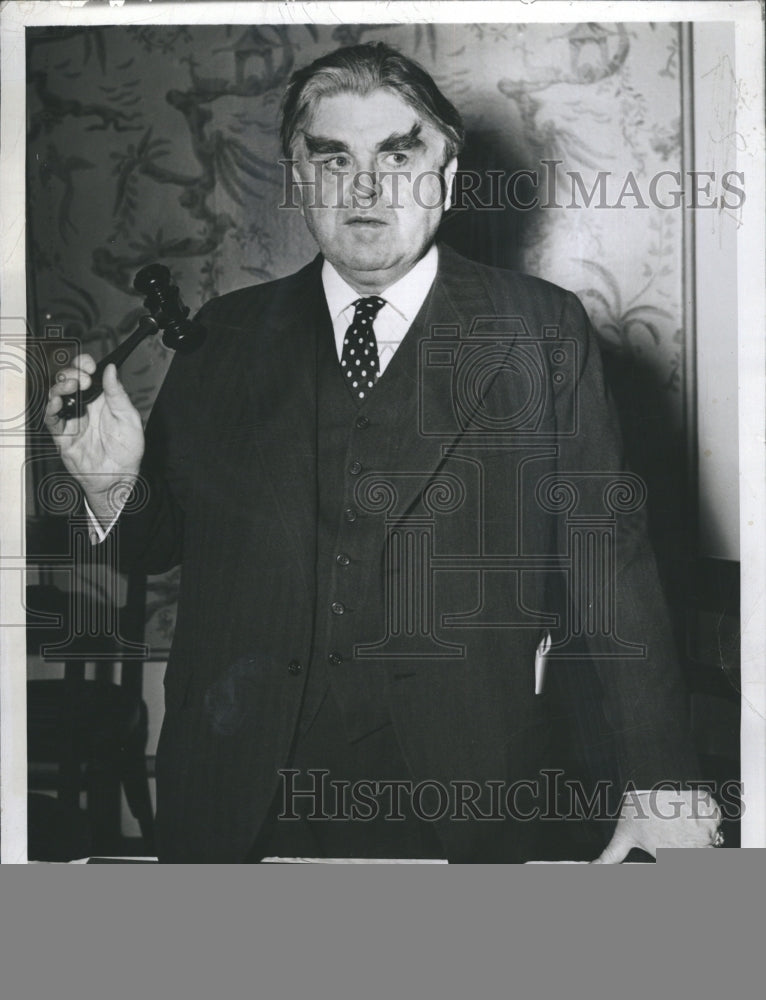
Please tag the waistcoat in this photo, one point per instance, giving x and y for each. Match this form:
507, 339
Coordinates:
356, 441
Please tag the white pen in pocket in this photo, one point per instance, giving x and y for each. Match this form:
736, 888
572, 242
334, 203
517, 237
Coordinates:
541, 660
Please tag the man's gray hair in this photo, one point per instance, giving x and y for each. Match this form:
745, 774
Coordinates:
361, 69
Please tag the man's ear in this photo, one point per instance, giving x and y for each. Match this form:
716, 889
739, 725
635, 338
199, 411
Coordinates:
449, 176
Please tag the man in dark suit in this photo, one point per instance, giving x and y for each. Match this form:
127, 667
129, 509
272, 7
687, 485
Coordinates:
395, 488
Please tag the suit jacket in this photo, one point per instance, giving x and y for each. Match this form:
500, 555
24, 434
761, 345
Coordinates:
506, 452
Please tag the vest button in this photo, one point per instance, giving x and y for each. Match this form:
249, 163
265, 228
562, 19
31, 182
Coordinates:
335, 658
355, 468
294, 667
337, 608
349, 514
342, 559
362, 423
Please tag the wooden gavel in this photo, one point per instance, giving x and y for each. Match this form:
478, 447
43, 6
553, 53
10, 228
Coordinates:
167, 313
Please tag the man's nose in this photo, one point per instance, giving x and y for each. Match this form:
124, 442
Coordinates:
367, 187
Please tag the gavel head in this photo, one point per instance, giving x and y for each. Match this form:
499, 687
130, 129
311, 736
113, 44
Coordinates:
163, 301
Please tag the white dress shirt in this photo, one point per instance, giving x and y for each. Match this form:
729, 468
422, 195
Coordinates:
403, 301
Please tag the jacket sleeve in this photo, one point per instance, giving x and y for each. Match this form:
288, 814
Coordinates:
151, 525
615, 601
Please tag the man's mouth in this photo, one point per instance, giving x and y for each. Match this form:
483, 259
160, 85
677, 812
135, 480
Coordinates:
365, 220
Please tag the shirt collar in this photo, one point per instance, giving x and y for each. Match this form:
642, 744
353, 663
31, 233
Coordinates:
406, 295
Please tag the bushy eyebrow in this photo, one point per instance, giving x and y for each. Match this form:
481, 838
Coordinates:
322, 144
400, 142
397, 142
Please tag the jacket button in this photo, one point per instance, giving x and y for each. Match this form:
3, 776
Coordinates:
337, 608
355, 468
294, 667
342, 559
335, 658
349, 514
362, 423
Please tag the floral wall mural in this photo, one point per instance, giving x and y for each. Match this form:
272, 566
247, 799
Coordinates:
160, 143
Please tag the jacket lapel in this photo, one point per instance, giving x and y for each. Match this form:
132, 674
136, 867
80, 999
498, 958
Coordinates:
437, 410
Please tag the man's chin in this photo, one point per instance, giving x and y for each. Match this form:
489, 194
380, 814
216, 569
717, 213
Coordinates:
367, 262
370, 265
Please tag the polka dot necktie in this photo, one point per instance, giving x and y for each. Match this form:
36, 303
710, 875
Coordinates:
359, 358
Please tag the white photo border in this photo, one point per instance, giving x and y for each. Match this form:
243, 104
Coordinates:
751, 298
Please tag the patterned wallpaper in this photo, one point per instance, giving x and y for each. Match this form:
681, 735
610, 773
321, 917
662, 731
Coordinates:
160, 143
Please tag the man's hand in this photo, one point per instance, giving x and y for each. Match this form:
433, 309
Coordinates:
102, 448
663, 818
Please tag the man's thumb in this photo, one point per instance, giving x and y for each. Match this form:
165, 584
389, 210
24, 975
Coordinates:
615, 851
114, 391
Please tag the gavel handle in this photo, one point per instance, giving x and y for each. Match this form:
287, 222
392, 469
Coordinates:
74, 405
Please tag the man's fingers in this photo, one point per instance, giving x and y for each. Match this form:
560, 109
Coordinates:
615, 851
51, 413
76, 376
69, 380
84, 362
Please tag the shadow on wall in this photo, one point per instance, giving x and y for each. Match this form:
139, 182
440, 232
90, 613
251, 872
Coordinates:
655, 449
484, 225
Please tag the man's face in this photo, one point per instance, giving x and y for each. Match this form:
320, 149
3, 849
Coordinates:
374, 181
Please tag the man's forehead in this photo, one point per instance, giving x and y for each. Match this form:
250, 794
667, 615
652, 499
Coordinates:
379, 111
